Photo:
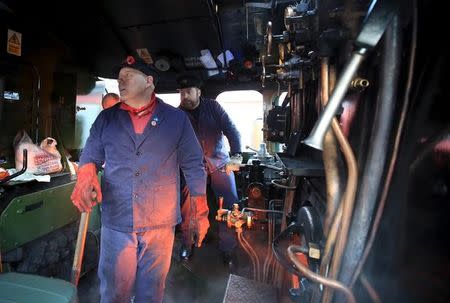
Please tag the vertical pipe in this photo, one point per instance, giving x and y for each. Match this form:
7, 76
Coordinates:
330, 155
341, 221
374, 168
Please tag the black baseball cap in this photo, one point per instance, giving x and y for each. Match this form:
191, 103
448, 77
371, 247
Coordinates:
189, 80
140, 65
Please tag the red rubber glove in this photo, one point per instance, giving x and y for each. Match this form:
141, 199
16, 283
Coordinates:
87, 191
199, 219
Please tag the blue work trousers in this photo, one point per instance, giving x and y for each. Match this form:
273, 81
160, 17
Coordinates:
134, 264
222, 185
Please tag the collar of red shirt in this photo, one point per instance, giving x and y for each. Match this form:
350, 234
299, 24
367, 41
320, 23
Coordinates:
143, 110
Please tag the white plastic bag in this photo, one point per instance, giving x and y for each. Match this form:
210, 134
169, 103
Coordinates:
42, 160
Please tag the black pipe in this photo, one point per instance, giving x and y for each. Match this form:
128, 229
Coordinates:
2, 94
375, 165
309, 220
218, 28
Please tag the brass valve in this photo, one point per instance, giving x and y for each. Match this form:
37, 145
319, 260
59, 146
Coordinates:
234, 218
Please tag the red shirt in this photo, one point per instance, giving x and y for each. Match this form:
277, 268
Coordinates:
140, 116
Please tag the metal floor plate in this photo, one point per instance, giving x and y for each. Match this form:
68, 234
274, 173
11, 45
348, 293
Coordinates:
240, 289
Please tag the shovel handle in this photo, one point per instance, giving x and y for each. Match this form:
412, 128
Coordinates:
79, 248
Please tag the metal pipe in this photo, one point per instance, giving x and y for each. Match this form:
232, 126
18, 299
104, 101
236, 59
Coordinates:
269, 38
246, 19
218, 28
370, 290
271, 234
255, 255
272, 167
288, 201
331, 240
296, 110
2, 96
393, 161
317, 278
315, 139
262, 210
37, 99
268, 252
239, 236
330, 155
374, 168
346, 205
273, 181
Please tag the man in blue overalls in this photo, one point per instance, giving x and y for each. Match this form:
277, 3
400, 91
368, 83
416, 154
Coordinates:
210, 123
144, 143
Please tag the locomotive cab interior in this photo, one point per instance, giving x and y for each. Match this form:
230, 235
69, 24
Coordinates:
344, 184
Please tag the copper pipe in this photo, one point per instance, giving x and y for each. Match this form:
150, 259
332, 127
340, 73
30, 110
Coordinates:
288, 201
269, 251
331, 240
296, 111
239, 236
305, 271
370, 290
330, 155
255, 255
348, 200
270, 235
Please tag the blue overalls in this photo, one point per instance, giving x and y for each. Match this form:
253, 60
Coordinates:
210, 127
140, 189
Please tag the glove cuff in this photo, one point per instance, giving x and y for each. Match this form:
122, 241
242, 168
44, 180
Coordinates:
87, 170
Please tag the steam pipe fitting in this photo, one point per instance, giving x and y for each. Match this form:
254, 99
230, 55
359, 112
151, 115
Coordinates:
315, 139
359, 83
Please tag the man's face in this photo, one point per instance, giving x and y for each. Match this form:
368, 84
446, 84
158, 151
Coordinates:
190, 97
133, 83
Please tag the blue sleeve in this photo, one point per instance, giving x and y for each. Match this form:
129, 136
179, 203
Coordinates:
93, 151
228, 128
190, 157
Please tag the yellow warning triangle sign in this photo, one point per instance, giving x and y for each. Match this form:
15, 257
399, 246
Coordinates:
14, 39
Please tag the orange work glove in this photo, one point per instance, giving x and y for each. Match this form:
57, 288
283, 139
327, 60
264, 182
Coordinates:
87, 190
199, 223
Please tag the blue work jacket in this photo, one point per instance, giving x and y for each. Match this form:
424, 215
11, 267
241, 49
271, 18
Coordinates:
213, 123
140, 184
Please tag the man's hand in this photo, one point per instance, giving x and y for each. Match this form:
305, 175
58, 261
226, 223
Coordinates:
87, 190
234, 164
199, 219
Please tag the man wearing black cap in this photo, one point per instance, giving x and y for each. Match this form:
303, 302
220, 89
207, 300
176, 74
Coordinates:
210, 123
144, 143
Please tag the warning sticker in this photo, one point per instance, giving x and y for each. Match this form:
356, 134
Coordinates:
145, 55
14, 45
